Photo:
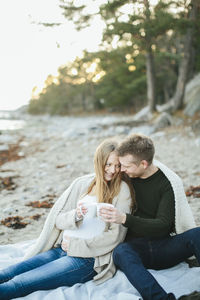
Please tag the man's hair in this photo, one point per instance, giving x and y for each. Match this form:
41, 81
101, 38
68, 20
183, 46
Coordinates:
138, 145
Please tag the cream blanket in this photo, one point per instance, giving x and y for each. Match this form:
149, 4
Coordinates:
179, 280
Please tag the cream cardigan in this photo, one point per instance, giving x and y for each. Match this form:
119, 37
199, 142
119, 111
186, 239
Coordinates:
62, 216
184, 219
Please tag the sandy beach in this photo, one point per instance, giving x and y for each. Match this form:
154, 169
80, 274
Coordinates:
49, 152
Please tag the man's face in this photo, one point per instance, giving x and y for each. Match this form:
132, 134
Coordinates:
131, 166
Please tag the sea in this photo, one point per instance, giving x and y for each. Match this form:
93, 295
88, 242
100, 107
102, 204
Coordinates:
8, 121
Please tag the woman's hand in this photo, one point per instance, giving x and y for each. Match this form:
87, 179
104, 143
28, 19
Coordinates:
65, 243
112, 215
80, 210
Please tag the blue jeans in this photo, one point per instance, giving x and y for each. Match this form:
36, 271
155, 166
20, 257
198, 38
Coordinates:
45, 271
137, 255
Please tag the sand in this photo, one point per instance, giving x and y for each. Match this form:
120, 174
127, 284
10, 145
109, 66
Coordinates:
52, 151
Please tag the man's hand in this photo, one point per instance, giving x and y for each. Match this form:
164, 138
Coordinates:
65, 244
112, 215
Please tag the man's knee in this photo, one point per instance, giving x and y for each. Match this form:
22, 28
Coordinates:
124, 253
194, 234
119, 252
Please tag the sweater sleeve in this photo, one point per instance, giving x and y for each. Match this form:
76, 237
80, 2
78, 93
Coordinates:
67, 220
108, 240
159, 226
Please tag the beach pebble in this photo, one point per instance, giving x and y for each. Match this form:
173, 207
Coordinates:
4, 148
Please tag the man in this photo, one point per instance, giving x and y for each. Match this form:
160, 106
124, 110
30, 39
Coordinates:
161, 229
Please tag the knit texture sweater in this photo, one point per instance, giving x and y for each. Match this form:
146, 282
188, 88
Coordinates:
184, 219
155, 214
63, 216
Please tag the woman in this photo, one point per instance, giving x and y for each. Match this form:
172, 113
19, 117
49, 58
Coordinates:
52, 263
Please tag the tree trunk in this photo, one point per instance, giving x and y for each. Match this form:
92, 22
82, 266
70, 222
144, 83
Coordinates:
151, 91
166, 93
83, 101
185, 62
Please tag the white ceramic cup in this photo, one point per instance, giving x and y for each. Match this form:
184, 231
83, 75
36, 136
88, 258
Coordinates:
103, 205
91, 209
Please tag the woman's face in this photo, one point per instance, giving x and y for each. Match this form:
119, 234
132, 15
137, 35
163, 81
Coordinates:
112, 166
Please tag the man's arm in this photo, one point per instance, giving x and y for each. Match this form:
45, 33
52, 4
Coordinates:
156, 227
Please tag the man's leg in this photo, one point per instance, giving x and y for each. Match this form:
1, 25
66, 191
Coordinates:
173, 250
130, 262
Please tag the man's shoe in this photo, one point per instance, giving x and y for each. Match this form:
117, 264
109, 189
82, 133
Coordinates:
193, 296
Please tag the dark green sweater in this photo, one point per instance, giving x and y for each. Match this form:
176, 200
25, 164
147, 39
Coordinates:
155, 214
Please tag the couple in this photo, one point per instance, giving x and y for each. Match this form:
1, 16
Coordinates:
150, 226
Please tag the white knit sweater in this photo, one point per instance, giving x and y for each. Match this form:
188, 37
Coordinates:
184, 219
63, 216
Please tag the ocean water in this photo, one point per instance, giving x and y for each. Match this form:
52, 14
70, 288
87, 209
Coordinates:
7, 123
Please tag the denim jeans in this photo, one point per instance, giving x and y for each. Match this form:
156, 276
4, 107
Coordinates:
137, 255
45, 271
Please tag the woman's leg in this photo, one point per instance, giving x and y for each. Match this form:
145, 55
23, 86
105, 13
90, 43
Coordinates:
64, 271
29, 264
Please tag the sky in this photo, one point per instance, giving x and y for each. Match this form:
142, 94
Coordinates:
30, 52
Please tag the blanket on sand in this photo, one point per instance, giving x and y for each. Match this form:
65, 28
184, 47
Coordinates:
180, 280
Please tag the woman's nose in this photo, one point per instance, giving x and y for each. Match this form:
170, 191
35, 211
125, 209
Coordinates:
112, 169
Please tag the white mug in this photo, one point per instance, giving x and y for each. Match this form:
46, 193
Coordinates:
102, 205
91, 209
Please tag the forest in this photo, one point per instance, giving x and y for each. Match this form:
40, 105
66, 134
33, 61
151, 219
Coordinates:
148, 53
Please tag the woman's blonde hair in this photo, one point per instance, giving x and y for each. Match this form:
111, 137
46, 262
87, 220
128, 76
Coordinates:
105, 191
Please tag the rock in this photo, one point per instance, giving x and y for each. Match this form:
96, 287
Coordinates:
167, 107
196, 127
143, 115
8, 210
8, 139
24, 144
162, 121
146, 130
121, 130
4, 148
197, 142
158, 134
192, 96
21, 154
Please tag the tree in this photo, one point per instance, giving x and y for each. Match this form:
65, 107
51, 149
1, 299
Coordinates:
71, 91
187, 33
132, 22
123, 84
145, 54
186, 56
